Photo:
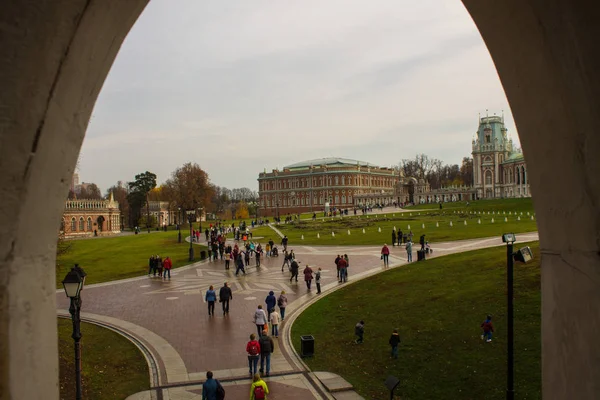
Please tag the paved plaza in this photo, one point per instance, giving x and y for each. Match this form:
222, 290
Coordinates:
169, 321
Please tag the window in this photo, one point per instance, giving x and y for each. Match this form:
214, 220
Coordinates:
518, 176
488, 138
62, 224
81, 224
349, 199
337, 199
337, 182
343, 180
73, 224
343, 199
89, 224
488, 177
523, 175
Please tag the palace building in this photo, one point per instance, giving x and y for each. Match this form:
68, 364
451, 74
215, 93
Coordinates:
499, 170
88, 217
318, 185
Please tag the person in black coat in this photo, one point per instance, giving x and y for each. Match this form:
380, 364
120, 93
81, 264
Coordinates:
224, 296
294, 268
393, 237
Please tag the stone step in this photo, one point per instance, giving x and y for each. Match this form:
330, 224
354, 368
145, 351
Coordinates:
333, 382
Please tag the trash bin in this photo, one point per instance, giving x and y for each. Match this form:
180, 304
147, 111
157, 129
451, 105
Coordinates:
307, 345
202, 254
420, 255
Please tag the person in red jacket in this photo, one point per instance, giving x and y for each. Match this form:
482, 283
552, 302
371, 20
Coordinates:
343, 264
385, 255
253, 350
167, 265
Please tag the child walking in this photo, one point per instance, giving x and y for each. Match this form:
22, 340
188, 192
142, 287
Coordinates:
394, 342
488, 329
359, 330
274, 322
318, 280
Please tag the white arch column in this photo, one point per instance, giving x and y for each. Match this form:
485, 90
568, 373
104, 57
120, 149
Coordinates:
55, 57
548, 50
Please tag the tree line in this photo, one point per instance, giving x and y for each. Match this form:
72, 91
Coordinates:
189, 189
436, 172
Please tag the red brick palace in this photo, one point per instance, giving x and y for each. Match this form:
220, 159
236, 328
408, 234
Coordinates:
316, 185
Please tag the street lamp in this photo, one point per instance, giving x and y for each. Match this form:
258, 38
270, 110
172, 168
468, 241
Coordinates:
179, 224
190, 220
523, 255
73, 284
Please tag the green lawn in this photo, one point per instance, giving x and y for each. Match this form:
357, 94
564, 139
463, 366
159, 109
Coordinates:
438, 307
111, 258
433, 223
112, 367
520, 204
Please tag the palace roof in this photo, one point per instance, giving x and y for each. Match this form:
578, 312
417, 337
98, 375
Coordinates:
332, 161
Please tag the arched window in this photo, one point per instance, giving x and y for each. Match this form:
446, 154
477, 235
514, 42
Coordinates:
349, 199
73, 224
518, 176
488, 177
343, 199
62, 224
337, 199
523, 175
89, 224
81, 224
337, 180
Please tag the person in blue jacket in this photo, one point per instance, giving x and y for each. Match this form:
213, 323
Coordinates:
210, 298
270, 301
210, 388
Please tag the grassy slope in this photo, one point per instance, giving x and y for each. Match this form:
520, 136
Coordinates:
437, 307
112, 258
112, 367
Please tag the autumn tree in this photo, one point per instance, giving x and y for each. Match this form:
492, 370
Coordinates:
190, 187
90, 191
138, 194
241, 210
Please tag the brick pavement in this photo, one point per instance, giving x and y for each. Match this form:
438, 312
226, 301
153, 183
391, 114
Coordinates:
170, 317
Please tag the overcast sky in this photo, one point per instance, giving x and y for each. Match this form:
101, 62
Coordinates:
238, 86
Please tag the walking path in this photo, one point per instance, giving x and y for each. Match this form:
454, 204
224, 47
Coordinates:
168, 319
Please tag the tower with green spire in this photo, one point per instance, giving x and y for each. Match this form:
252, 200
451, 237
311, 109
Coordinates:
491, 147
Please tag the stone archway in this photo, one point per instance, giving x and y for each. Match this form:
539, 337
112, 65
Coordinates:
56, 56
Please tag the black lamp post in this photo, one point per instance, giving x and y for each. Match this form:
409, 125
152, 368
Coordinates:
392, 383
200, 225
523, 255
179, 224
73, 284
190, 220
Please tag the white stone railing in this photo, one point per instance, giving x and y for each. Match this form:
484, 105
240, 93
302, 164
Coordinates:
90, 204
